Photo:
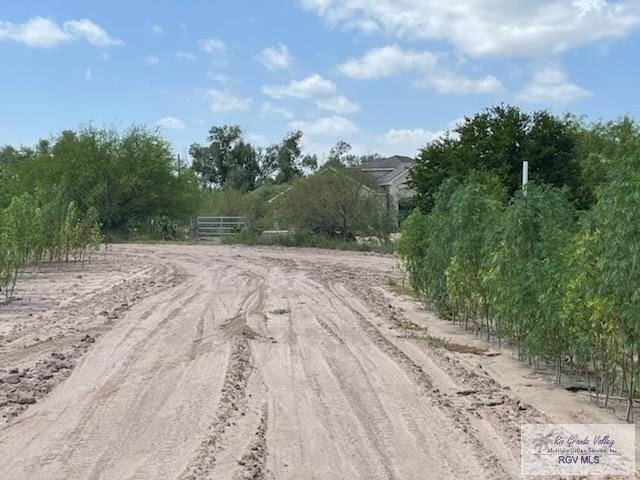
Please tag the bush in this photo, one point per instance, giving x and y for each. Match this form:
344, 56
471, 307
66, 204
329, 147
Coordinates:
337, 202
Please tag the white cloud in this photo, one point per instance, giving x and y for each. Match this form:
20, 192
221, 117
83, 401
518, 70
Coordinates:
88, 74
276, 58
406, 141
338, 104
37, 32
220, 102
551, 87
152, 59
488, 27
334, 127
387, 61
156, 29
269, 108
186, 56
221, 78
311, 86
429, 71
45, 33
171, 123
92, 33
449, 83
212, 46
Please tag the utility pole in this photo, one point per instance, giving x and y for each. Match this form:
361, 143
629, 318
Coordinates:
525, 176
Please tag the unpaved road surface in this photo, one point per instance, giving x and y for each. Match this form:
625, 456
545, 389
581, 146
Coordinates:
258, 364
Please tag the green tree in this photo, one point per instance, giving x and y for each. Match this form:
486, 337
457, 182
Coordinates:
527, 274
599, 146
475, 213
127, 177
228, 161
340, 155
497, 141
284, 161
616, 217
429, 259
11, 160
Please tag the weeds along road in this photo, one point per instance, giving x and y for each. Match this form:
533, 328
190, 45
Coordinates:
267, 363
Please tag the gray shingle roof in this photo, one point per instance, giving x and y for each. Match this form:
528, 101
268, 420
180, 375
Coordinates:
385, 170
389, 162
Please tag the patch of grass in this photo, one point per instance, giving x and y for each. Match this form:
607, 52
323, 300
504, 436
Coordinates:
451, 346
409, 325
310, 240
279, 311
401, 290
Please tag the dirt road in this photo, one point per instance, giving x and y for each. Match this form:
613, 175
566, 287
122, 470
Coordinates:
265, 364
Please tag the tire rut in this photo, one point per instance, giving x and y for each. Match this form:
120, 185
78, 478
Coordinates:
233, 401
439, 400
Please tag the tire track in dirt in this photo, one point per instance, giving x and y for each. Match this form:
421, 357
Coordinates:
369, 412
365, 433
254, 462
359, 407
48, 363
161, 324
214, 379
113, 383
233, 402
414, 371
438, 400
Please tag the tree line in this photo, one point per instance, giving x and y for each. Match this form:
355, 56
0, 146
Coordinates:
552, 268
127, 176
138, 185
230, 162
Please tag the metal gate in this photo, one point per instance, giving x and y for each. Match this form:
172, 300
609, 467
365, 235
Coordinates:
214, 228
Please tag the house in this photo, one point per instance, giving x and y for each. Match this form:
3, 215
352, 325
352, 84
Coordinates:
392, 174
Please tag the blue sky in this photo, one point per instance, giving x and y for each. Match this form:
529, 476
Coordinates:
385, 75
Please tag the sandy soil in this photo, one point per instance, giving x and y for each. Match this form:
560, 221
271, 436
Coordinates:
218, 362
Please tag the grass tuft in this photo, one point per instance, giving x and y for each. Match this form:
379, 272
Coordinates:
437, 342
401, 290
409, 325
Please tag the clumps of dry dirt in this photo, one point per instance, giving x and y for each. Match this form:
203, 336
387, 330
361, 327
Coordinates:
363, 283
20, 388
254, 462
480, 395
41, 351
484, 398
233, 402
328, 328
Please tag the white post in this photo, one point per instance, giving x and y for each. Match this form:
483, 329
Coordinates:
525, 174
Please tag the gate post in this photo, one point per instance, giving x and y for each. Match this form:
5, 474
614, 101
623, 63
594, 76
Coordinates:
193, 228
